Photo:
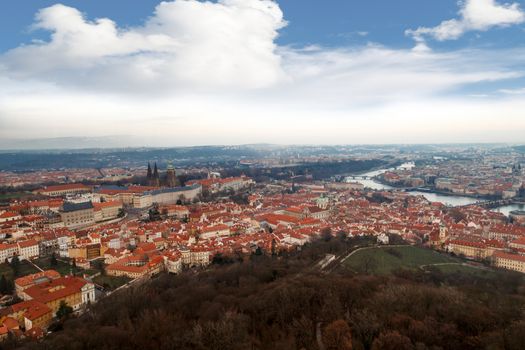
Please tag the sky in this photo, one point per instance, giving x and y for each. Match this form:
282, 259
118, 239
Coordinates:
188, 72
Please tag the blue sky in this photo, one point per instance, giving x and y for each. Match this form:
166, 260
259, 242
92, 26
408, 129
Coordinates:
365, 71
327, 22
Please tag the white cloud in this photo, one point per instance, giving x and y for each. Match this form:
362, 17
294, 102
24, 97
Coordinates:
513, 91
201, 44
227, 47
202, 72
474, 15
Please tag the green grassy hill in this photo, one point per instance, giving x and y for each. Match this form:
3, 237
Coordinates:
385, 260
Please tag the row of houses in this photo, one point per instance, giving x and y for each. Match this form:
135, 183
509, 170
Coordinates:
500, 255
25, 250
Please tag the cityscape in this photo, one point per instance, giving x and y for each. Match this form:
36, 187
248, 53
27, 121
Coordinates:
75, 236
262, 174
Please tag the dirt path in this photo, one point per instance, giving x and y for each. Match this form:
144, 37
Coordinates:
35, 265
319, 336
422, 267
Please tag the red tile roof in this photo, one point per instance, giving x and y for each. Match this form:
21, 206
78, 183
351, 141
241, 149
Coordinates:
30, 279
56, 289
508, 256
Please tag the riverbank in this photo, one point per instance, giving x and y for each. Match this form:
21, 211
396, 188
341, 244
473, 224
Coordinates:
377, 179
507, 209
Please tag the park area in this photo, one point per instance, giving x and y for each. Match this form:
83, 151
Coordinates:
387, 259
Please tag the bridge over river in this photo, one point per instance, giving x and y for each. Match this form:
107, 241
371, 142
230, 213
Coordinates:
492, 204
358, 177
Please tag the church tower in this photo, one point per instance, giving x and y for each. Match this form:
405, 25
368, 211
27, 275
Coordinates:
155, 181
149, 175
171, 176
443, 232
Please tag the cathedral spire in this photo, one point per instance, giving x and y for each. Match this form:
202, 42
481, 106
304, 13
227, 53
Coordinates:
156, 178
149, 171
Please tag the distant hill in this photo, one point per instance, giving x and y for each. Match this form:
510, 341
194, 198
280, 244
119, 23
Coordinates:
70, 143
82, 157
26, 160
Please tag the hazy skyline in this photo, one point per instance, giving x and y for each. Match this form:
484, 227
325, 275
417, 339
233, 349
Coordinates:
244, 71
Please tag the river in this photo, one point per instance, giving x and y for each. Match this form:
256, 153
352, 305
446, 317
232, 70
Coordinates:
451, 200
506, 209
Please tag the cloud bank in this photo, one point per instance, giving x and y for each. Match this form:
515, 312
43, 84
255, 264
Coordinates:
207, 73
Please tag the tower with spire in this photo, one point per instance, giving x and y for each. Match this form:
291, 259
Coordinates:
156, 179
149, 175
443, 232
